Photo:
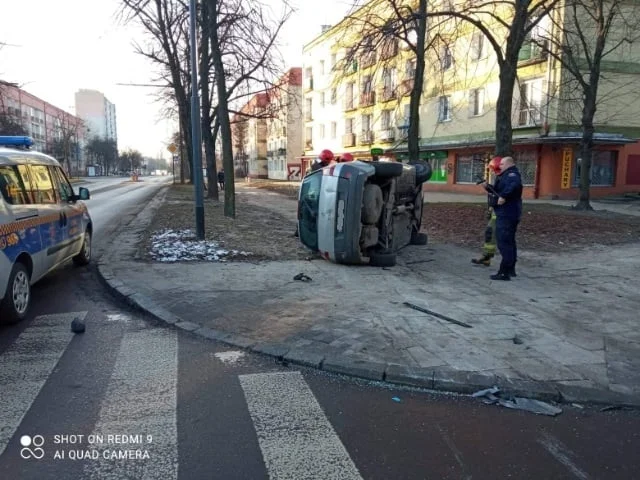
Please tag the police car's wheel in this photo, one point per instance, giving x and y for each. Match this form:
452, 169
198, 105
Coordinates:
382, 259
84, 257
17, 297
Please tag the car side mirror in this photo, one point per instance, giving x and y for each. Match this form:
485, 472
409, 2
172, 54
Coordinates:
84, 193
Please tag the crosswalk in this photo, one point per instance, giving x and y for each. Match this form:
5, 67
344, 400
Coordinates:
135, 434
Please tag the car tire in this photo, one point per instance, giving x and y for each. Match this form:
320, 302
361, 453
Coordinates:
419, 238
388, 169
12, 309
382, 259
84, 257
372, 203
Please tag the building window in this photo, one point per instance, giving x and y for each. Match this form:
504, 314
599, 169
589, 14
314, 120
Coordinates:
349, 95
308, 114
333, 60
367, 84
410, 69
385, 120
476, 102
603, 169
469, 168
444, 109
477, 46
348, 125
367, 123
446, 57
334, 96
527, 161
334, 130
321, 67
322, 131
439, 169
322, 100
530, 103
309, 137
535, 44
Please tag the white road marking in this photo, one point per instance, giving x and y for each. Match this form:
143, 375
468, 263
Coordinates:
232, 357
296, 439
562, 454
141, 400
27, 364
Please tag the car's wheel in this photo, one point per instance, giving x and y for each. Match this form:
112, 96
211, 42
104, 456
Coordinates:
372, 202
382, 259
84, 257
17, 298
423, 171
419, 238
387, 169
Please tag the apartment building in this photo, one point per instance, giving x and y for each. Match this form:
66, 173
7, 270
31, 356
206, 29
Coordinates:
53, 130
356, 103
249, 132
98, 113
284, 127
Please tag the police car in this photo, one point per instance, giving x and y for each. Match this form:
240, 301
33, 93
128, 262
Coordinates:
43, 223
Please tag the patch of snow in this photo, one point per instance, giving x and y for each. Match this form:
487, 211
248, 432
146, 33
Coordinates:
231, 357
182, 246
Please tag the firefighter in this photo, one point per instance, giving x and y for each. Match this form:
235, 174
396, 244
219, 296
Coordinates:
489, 247
347, 157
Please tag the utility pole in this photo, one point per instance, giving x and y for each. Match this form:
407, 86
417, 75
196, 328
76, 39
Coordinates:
195, 126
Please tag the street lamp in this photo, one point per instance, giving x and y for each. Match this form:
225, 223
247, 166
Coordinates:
195, 127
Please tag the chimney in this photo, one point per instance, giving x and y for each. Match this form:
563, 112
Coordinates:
325, 28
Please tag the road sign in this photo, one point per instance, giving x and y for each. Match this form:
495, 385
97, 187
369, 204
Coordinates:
173, 148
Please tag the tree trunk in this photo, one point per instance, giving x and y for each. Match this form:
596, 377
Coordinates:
586, 149
413, 137
212, 173
207, 135
223, 115
504, 109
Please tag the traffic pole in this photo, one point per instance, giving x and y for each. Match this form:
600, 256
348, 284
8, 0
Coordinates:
196, 127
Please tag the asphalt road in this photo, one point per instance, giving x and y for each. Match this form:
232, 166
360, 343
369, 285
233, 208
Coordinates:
194, 409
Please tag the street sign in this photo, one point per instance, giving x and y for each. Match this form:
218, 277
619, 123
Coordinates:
173, 148
377, 151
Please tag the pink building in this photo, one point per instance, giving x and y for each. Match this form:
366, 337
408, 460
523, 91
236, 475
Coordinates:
53, 130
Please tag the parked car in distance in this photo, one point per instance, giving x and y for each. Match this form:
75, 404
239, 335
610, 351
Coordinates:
362, 212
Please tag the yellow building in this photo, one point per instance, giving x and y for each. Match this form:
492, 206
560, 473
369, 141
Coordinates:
354, 102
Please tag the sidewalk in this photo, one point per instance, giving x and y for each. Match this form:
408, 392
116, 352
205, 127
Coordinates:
565, 329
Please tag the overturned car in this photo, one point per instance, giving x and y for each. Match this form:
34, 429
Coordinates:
362, 212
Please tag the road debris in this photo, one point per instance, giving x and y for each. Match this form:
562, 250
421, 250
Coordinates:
77, 326
491, 396
396, 399
302, 277
437, 315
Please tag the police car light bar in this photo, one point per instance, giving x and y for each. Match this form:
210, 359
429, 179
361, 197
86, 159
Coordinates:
15, 141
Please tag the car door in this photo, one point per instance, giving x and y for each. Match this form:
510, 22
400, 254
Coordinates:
53, 229
71, 211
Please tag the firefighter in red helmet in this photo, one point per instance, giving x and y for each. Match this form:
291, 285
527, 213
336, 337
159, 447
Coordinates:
323, 160
489, 247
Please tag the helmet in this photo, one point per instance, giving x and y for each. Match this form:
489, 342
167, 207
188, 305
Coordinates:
326, 155
494, 165
347, 157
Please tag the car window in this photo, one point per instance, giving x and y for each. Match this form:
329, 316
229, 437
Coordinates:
65, 191
29, 185
308, 208
42, 180
11, 186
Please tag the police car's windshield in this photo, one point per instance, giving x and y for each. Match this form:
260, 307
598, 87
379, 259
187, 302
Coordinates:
308, 208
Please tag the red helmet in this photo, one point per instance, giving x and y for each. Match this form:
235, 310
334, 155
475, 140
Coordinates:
347, 157
326, 155
494, 165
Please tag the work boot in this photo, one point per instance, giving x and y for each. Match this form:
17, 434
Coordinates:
512, 272
501, 276
484, 260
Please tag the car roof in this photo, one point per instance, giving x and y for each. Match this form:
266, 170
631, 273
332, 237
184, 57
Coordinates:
12, 156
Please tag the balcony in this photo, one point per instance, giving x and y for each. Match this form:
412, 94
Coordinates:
349, 104
387, 93
366, 137
387, 135
308, 84
389, 49
282, 152
367, 99
269, 153
405, 87
368, 59
349, 140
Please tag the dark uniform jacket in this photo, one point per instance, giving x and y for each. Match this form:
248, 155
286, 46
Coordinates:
509, 186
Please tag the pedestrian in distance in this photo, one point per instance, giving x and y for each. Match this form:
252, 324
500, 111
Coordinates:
508, 209
221, 179
489, 247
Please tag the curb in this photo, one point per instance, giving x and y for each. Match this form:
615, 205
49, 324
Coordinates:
443, 379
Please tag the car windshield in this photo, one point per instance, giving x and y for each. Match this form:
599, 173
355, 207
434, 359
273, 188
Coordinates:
308, 207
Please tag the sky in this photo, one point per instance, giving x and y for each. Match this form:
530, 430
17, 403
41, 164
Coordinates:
57, 48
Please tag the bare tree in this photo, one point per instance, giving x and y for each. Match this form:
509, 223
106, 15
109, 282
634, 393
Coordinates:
104, 152
65, 143
130, 160
587, 33
10, 121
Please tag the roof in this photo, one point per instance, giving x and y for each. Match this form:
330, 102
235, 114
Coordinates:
12, 156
